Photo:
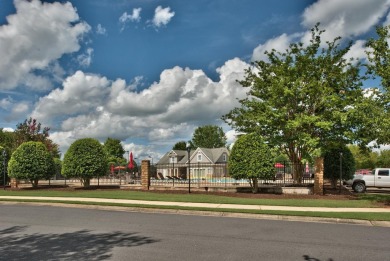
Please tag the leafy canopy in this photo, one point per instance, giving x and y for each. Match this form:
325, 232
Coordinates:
84, 159
3, 158
306, 100
31, 130
31, 161
251, 159
209, 136
379, 66
181, 145
113, 148
333, 161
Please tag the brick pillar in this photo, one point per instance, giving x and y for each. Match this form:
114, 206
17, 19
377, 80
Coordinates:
145, 174
14, 183
319, 177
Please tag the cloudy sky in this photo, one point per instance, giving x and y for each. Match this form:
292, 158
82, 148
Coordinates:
148, 72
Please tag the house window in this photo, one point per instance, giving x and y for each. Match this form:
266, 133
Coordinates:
224, 157
199, 157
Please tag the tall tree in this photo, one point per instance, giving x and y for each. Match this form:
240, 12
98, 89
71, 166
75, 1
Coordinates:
209, 136
4, 158
31, 130
305, 100
7, 140
31, 161
251, 159
379, 66
364, 159
181, 145
384, 159
113, 148
84, 159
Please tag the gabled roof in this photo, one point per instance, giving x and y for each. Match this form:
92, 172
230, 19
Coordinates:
214, 155
181, 155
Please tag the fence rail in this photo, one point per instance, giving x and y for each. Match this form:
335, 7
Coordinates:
217, 175
200, 176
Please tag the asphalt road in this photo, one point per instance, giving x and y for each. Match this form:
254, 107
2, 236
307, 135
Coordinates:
30, 232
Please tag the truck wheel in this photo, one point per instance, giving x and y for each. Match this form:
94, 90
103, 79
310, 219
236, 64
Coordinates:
359, 187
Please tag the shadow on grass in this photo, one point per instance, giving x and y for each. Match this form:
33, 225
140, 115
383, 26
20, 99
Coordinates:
78, 245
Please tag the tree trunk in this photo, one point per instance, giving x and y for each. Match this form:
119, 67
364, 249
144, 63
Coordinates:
86, 182
255, 185
297, 171
34, 183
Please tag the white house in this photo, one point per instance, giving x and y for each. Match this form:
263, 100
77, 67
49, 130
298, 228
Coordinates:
203, 164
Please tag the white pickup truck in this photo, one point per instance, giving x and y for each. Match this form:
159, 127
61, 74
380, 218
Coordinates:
379, 178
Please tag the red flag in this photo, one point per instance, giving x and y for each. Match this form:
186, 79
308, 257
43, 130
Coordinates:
131, 164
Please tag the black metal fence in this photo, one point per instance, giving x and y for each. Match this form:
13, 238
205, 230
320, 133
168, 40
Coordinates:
217, 175
200, 175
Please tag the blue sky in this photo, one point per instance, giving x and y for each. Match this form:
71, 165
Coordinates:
149, 72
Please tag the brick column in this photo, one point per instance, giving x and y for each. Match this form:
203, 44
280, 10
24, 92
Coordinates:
145, 174
319, 177
14, 183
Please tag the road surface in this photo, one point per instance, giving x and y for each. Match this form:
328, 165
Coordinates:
31, 232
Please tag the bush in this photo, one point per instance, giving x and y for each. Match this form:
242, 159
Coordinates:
31, 161
332, 164
251, 159
84, 160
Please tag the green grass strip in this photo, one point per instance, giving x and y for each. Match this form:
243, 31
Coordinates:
339, 215
196, 198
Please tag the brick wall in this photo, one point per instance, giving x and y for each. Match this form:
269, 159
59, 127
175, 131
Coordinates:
145, 174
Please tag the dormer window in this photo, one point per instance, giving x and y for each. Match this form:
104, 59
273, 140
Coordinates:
224, 158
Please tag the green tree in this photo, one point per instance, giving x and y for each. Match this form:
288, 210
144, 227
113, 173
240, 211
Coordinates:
251, 159
84, 159
2, 166
209, 136
57, 167
181, 145
31, 130
113, 148
364, 159
332, 164
384, 159
7, 140
31, 161
379, 66
305, 100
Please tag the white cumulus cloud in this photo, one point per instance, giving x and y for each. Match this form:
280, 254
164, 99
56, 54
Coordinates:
89, 105
162, 16
135, 16
345, 18
28, 43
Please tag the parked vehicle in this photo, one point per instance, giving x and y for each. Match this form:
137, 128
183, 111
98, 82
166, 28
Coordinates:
380, 178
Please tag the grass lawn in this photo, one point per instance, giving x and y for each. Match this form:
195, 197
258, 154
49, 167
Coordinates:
363, 201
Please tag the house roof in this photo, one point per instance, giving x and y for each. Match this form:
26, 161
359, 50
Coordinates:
213, 155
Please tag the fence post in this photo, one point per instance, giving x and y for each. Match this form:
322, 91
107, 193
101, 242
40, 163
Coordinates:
145, 174
319, 177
